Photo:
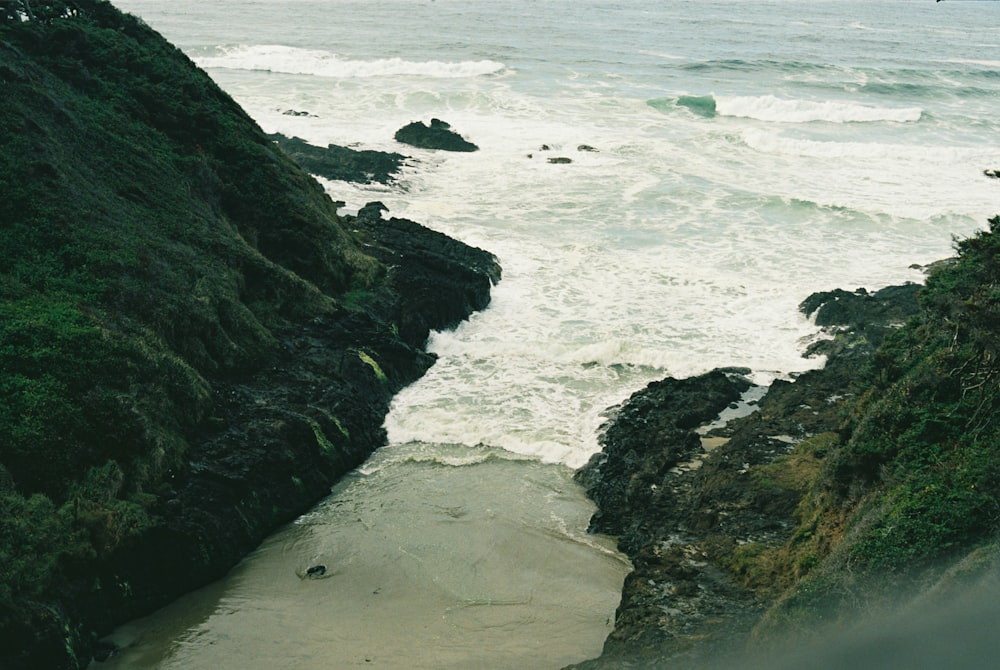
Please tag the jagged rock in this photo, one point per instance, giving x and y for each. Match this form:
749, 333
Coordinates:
867, 316
560, 160
341, 163
681, 510
438, 280
650, 434
438, 135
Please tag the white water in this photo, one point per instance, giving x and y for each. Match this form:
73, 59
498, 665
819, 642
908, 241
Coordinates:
831, 144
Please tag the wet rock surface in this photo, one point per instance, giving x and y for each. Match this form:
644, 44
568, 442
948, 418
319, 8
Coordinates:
435, 281
437, 135
683, 495
341, 163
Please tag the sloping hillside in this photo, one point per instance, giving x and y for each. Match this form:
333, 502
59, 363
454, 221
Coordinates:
193, 344
856, 493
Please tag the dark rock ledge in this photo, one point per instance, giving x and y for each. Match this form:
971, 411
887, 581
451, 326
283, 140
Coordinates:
341, 163
680, 498
280, 438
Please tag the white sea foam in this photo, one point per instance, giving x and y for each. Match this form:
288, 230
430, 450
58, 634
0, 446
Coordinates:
292, 60
776, 142
685, 242
975, 61
782, 110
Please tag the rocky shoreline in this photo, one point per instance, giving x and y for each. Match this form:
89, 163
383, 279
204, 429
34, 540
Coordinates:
276, 440
684, 495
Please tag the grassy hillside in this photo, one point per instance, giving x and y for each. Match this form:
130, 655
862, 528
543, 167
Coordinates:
155, 247
909, 485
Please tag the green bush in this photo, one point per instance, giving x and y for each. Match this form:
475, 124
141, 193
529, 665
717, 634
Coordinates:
926, 430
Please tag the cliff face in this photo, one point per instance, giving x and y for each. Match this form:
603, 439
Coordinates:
854, 490
193, 344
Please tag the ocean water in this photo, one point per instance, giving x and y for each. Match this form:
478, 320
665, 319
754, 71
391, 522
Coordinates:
744, 154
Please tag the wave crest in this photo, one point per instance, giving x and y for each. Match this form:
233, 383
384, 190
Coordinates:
292, 60
771, 108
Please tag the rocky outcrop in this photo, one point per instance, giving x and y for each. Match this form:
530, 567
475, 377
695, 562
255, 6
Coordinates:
277, 440
648, 437
341, 163
689, 502
435, 281
437, 135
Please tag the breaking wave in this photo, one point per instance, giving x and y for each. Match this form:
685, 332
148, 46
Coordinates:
781, 110
784, 110
319, 63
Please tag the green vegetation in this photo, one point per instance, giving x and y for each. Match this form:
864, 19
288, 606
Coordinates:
152, 241
911, 482
926, 432
373, 364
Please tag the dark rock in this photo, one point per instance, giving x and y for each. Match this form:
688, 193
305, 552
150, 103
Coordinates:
650, 434
292, 112
560, 160
994, 174
861, 309
436, 280
868, 317
371, 212
438, 135
680, 511
104, 650
586, 147
316, 571
341, 163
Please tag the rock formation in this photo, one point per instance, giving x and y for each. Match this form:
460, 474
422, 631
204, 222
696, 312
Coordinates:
437, 135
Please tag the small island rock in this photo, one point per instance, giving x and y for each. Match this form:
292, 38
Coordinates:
438, 135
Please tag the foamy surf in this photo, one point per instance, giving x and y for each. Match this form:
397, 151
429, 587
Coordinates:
291, 60
782, 110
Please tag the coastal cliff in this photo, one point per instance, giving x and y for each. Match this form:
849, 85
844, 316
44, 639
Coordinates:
194, 344
861, 493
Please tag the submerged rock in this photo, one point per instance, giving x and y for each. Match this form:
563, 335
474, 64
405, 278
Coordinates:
438, 135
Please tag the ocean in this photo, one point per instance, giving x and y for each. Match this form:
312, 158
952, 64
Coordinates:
727, 159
